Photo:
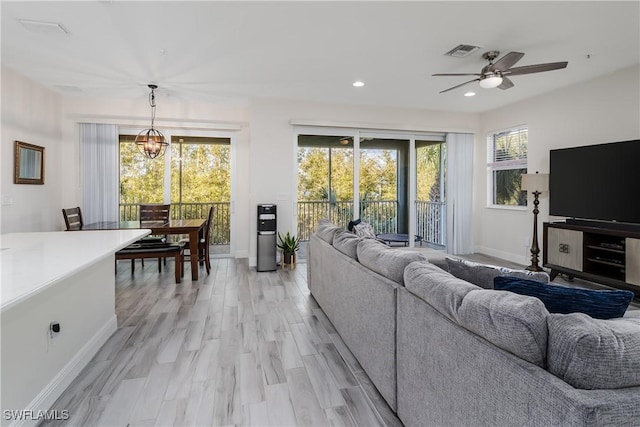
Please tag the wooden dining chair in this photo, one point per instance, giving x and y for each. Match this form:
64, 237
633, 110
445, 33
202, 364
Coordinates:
203, 244
154, 213
72, 218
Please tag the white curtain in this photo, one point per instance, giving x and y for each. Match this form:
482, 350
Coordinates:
459, 193
100, 170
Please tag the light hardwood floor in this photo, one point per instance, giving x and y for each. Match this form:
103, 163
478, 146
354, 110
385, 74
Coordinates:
236, 347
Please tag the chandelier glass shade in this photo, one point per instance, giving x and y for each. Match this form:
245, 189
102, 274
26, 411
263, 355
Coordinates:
151, 142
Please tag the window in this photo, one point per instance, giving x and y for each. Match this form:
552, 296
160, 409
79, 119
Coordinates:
506, 163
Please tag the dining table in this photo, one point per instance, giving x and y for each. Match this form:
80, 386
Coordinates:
195, 228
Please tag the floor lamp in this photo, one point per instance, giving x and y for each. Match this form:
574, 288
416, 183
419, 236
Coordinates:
536, 184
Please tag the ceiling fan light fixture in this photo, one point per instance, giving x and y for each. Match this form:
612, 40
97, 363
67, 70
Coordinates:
490, 82
151, 142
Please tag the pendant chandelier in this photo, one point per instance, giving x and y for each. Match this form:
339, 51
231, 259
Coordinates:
151, 142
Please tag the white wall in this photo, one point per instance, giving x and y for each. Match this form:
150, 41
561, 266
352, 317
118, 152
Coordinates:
273, 149
30, 113
603, 110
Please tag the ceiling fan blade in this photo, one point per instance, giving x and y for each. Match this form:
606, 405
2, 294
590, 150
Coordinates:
461, 84
538, 68
463, 74
506, 61
506, 84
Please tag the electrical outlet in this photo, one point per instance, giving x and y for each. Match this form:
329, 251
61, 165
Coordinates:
54, 329
527, 241
6, 200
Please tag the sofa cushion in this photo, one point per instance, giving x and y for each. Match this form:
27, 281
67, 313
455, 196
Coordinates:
326, 230
347, 243
515, 323
438, 288
599, 304
483, 274
388, 262
591, 353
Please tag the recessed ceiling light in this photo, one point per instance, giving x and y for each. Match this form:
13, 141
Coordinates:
470, 94
358, 83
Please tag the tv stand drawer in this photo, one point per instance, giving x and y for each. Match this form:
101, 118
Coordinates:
565, 248
633, 261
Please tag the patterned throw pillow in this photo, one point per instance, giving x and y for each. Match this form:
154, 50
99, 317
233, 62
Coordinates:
364, 229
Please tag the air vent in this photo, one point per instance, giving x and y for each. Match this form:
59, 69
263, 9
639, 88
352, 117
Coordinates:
462, 50
48, 28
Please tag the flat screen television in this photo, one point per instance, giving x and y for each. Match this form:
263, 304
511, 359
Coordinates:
596, 182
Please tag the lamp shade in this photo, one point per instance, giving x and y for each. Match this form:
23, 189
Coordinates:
535, 182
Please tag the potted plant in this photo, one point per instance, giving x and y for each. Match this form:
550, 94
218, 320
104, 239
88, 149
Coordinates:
288, 244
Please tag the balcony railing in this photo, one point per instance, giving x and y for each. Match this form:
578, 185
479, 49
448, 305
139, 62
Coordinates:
431, 221
309, 213
221, 230
381, 214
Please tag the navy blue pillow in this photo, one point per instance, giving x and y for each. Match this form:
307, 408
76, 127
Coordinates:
599, 304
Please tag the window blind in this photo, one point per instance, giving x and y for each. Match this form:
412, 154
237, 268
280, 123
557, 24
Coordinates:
507, 149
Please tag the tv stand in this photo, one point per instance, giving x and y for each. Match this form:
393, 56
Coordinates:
593, 251
608, 225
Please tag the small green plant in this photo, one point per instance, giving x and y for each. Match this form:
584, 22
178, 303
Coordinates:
288, 244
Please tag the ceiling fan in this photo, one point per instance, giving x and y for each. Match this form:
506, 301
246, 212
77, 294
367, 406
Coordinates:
497, 74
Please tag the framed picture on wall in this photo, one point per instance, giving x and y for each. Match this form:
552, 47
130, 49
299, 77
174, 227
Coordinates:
29, 164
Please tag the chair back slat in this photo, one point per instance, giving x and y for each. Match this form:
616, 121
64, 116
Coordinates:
72, 218
154, 213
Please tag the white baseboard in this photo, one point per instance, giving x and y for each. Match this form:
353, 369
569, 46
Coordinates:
522, 260
253, 261
242, 254
52, 391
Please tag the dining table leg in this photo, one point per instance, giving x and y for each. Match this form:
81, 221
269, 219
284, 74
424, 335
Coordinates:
194, 237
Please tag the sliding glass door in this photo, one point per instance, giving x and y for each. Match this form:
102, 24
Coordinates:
430, 191
325, 181
393, 181
194, 175
384, 184
201, 178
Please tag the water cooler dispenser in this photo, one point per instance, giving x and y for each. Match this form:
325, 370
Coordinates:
267, 235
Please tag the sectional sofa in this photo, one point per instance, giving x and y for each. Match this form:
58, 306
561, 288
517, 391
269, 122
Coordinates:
444, 351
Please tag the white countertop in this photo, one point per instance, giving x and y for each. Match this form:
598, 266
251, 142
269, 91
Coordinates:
32, 262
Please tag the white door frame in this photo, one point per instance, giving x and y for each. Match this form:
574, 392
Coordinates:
231, 135
357, 134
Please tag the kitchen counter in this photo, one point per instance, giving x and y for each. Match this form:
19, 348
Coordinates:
32, 262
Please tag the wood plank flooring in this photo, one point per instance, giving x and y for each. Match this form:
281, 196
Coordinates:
236, 347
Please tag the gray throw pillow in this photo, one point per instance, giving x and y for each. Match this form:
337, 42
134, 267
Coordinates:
483, 274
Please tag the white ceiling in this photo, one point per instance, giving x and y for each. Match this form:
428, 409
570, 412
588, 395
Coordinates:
230, 52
